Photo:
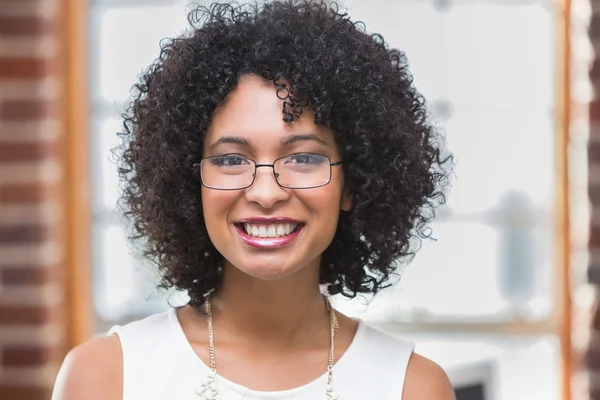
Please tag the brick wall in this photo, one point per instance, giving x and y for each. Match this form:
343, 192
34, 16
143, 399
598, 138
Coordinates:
32, 333
585, 197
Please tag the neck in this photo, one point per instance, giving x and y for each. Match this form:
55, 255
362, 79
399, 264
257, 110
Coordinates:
281, 310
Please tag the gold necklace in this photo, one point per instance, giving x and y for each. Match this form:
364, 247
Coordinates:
209, 389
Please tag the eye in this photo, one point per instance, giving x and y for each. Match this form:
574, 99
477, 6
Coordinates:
306, 159
229, 161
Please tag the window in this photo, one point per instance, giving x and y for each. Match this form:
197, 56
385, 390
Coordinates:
487, 71
125, 38
487, 68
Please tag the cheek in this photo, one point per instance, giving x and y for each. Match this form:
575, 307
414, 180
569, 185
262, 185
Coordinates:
324, 208
215, 207
329, 197
324, 204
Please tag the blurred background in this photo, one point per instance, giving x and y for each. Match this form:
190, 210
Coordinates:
504, 299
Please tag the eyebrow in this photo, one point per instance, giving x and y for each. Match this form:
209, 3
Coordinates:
305, 136
284, 142
229, 139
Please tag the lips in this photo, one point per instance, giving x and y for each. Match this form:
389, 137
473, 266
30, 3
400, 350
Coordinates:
268, 233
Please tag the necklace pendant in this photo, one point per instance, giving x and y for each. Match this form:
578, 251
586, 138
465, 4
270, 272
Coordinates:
208, 389
330, 394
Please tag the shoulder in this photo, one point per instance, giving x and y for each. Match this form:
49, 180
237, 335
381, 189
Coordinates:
426, 380
92, 371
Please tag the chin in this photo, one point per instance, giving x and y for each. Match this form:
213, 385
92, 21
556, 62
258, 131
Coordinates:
272, 265
266, 273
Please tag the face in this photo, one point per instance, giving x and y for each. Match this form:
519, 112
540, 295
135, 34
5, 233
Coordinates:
241, 223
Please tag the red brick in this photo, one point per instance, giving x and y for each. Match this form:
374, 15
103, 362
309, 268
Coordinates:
27, 109
29, 3
26, 356
593, 274
24, 194
594, 236
26, 275
594, 153
28, 151
596, 326
24, 68
26, 234
594, 110
594, 194
22, 315
25, 25
594, 27
24, 393
595, 70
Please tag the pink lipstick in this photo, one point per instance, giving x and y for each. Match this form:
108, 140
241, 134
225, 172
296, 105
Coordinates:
268, 242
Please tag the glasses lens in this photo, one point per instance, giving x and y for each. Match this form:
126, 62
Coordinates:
227, 172
301, 171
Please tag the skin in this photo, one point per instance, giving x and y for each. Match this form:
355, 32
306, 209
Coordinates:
269, 311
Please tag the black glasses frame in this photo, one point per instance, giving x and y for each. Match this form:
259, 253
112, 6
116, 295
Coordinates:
198, 171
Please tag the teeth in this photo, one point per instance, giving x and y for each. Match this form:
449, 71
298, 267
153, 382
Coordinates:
262, 231
269, 231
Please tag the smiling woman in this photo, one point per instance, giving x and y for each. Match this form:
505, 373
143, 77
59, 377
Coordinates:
275, 150
313, 206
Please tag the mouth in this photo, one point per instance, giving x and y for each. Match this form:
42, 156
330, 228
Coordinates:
267, 234
266, 231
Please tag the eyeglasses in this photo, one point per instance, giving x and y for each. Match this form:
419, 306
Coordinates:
296, 171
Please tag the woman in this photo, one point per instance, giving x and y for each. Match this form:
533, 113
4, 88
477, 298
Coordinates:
272, 152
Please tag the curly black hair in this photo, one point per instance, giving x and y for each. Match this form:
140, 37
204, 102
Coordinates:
394, 159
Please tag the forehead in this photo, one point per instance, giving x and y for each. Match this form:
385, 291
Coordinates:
254, 111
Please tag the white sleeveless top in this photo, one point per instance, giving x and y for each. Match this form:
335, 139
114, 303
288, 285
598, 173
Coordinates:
159, 364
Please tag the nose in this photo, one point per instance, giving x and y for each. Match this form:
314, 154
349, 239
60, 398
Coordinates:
265, 190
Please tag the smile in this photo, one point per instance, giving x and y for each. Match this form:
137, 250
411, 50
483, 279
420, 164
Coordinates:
269, 231
268, 235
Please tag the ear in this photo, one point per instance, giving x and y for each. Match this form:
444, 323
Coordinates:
346, 201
